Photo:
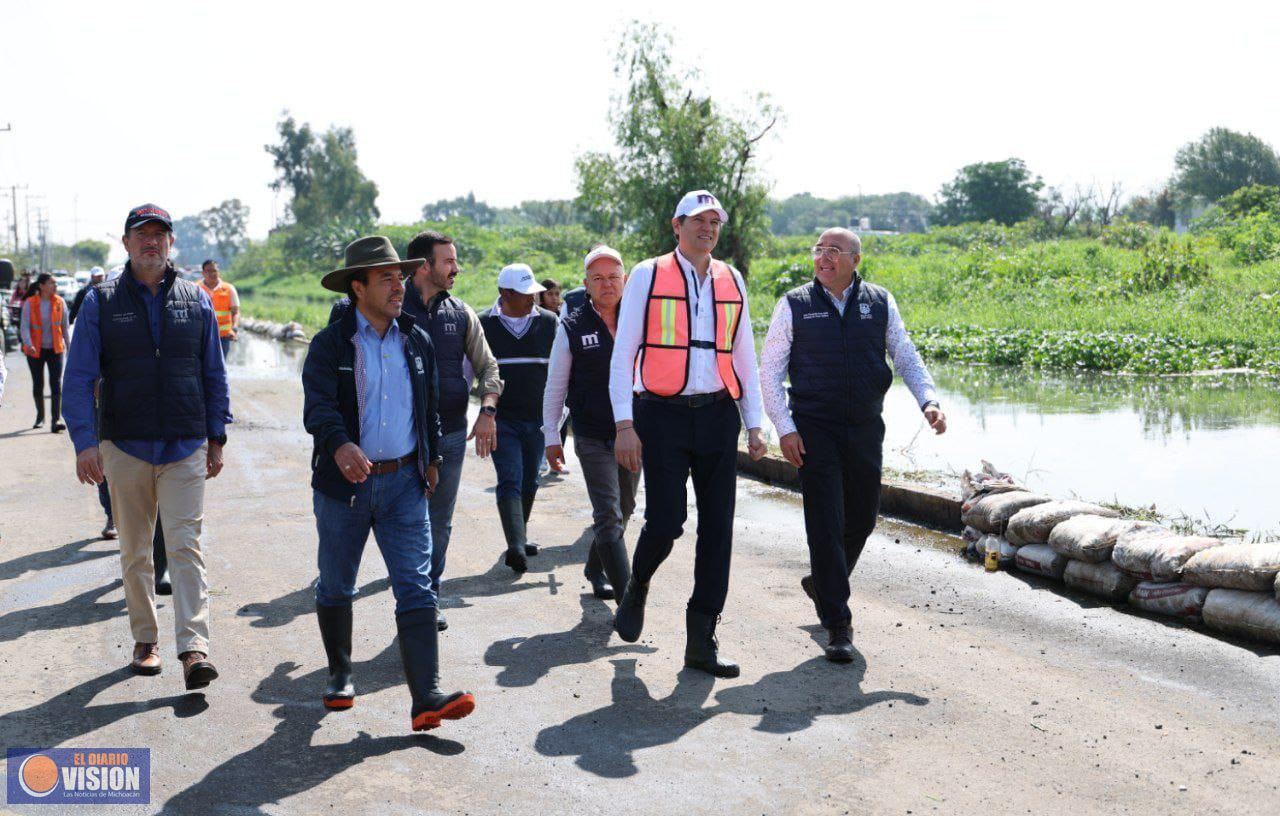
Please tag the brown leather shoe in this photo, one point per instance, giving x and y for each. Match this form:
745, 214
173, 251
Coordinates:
146, 658
197, 670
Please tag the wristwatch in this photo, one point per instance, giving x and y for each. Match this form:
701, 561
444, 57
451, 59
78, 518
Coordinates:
930, 404
489, 410
219, 440
436, 462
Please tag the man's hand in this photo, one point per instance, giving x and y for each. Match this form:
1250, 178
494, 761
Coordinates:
213, 462
555, 456
756, 445
793, 448
355, 466
626, 449
89, 467
433, 479
936, 419
485, 433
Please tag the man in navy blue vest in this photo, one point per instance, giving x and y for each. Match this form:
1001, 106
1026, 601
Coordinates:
370, 403
830, 338
520, 335
157, 432
579, 375
458, 340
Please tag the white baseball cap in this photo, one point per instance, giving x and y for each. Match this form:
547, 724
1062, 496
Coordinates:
599, 252
699, 201
520, 278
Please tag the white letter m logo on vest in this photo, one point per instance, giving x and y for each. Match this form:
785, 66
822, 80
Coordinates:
591, 340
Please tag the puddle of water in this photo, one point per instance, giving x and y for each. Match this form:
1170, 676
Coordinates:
260, 358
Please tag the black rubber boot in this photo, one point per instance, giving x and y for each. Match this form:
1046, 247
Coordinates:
806, 583
701, 650
615, 563
513, 530
839, 645
420, 653
628, 621
526, 502
161, 561
335, 632
594, 572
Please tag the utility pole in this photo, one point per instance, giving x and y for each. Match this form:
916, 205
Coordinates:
13, 191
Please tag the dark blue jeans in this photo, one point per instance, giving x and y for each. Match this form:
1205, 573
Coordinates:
394, 506
453, 447
521, 446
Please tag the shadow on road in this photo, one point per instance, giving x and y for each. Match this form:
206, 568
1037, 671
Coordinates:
605, 741
67, 716
64, 556
81, 610
286, 763
284, 610
499, 579
525, 661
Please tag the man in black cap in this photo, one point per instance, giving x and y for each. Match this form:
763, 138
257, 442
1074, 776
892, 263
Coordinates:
370, 394
157, 432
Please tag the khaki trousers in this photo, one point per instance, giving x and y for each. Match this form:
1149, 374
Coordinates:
138, 489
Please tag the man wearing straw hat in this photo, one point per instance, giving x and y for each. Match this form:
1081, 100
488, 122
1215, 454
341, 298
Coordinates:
369, 386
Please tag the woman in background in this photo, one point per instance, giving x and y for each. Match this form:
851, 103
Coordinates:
46, 328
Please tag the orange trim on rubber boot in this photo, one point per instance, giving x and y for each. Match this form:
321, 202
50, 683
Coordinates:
339, 703
453, 710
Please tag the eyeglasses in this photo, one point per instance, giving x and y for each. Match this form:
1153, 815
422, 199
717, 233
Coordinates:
829, 252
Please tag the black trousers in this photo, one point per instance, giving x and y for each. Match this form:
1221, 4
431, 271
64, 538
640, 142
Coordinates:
37, 365
840, 482
678, 440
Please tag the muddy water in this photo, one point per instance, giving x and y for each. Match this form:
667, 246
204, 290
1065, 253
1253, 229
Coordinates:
1202, 446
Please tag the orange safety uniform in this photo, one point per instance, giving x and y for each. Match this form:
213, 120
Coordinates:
664, 361
222, 296
37, 329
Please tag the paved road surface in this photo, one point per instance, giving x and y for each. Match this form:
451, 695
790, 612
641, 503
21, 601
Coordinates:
970, 693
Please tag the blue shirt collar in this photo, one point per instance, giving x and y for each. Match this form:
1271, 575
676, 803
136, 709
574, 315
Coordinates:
363, 326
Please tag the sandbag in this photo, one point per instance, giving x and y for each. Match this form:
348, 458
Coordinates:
1032, 525
1089, 537
1156, 554
990, 512
1176, 600
1038, 559
1005, 552
1105, 580
1251, 567
1254, 615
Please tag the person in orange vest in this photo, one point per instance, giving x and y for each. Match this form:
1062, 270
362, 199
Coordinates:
45, 329
226, 304
683, 366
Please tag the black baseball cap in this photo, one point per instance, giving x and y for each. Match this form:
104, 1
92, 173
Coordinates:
147, 212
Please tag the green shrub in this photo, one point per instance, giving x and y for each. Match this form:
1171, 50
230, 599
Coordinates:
1169, 261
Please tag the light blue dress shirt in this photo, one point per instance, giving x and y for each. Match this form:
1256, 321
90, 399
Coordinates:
386, 426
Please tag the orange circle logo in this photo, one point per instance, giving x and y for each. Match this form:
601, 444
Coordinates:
38, 775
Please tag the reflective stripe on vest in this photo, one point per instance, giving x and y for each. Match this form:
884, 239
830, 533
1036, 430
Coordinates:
664, 361
221, 297
37, 328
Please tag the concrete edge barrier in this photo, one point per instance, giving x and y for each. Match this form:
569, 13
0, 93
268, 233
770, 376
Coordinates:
919, 504
286, 332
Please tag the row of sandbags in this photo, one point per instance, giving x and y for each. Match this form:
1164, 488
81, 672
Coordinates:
1234, 587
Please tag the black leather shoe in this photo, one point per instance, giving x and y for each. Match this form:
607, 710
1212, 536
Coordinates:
840, 645
163, 585
335, 633
628, 622
57, 427
39, 423
702, 650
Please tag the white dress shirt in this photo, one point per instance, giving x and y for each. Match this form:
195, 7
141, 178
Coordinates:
557, 390
704, 376
776, 358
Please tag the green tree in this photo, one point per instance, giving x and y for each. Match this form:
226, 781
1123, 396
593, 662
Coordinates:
1221, 162
461, 207
1001, 191
225, 225
1157, 208
191, 240
90, 252
670, 139
324, 177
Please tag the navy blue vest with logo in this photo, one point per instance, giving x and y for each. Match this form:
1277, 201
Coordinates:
447, 324
522, 362
591, 345
838, 369
150, 392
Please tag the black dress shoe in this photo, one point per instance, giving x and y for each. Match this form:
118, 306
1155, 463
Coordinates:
39, 423
840, 645
57, 427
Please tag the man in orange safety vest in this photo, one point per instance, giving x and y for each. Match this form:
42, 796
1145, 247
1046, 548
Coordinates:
226, 303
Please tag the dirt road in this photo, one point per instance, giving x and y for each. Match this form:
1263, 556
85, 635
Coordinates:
970, 693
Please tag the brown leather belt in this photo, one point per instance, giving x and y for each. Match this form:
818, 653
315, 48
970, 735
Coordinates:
392, 465
688, 400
